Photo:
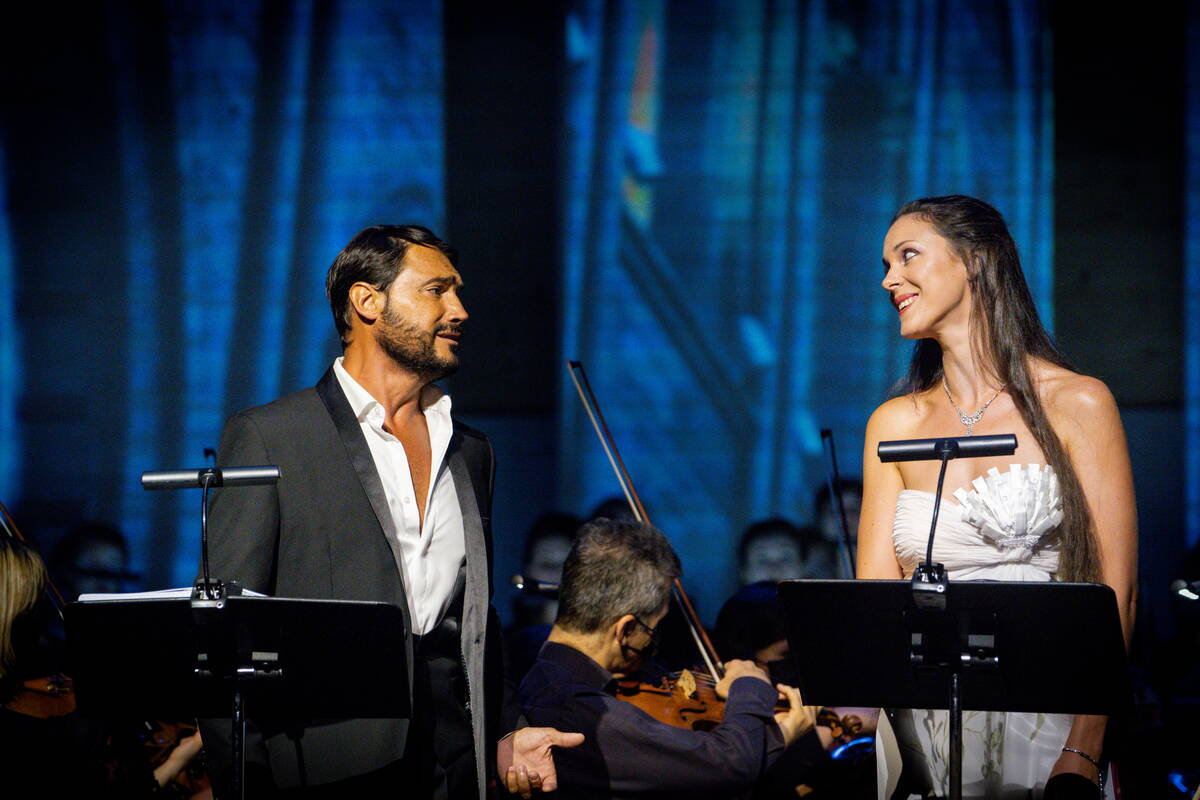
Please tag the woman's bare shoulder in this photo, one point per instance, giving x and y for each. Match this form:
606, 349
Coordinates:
898, 415
1071, 397
1069, 391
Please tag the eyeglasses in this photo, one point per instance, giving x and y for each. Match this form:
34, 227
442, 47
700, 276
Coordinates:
647, 652
651, 631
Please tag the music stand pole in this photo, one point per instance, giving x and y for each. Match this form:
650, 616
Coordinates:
237, 741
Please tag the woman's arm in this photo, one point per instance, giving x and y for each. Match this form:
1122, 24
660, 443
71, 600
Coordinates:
1087, 421
1095, 440
882, 484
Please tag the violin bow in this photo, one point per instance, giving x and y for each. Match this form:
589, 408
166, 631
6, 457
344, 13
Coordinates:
584, 388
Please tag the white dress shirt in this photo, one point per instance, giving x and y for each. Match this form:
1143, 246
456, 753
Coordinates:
429, 558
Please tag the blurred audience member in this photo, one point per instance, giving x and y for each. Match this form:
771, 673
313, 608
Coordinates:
826, 511
751, 625
614, 508
829, 522
546, 546
91, 558
775, 550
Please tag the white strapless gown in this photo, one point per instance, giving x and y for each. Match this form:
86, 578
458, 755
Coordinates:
1000, 529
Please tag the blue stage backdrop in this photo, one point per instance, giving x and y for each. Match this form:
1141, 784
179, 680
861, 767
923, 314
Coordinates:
10, 366
1192, 272
731, 169
252, 140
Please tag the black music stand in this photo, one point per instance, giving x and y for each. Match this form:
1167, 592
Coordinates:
997, 646
284, 659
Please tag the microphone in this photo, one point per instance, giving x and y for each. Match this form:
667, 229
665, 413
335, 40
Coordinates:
1188, 589
530, 586
209, 476
1003, 444
206, 589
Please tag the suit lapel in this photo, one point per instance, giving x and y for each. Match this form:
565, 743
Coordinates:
356, 446
360, 458
475, 593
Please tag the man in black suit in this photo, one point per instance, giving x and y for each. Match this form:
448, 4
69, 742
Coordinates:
383, 496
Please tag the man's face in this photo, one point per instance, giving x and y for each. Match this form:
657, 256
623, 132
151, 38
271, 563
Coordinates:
640, 639
97, 568
546, 559
774, 557
831, 522
422, 317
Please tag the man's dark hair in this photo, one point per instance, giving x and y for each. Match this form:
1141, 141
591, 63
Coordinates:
374, 256
615, 568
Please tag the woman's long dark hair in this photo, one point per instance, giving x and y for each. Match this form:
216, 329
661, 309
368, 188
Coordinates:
1006, 333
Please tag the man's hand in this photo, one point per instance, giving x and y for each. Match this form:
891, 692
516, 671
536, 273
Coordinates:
738, 668
525, 760
798, 720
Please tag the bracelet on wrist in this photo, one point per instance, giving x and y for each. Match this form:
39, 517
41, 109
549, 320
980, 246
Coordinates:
1095, 762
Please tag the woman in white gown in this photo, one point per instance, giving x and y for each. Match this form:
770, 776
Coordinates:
1062, 508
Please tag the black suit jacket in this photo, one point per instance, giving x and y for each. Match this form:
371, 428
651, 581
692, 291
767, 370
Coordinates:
317, 534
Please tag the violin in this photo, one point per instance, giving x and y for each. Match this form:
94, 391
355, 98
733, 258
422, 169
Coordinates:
683, 699
44, 698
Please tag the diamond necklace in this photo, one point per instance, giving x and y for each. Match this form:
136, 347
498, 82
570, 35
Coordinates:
970, 419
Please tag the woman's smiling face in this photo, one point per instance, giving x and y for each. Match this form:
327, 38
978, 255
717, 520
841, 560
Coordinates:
926, 279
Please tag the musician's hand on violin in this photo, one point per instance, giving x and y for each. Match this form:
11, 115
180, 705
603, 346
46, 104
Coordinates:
735, 669
183, 753
525, 759
799, 719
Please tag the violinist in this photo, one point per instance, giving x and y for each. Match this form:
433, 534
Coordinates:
46, 750
615, 589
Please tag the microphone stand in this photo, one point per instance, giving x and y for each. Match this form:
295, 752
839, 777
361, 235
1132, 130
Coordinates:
834, 481
208, 595
929, 580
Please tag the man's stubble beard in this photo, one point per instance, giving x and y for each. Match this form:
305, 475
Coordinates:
412, 348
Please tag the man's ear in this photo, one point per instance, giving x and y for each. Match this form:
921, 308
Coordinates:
367, 301
623, 627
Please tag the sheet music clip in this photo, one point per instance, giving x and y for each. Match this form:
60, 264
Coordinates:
211, 593
929, 586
